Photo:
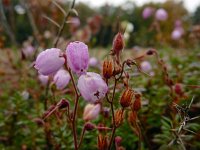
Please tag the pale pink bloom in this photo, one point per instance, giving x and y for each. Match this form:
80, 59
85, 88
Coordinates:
91, 111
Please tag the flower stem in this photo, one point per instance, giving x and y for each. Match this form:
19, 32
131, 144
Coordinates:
75, 111
113, 116
63, 24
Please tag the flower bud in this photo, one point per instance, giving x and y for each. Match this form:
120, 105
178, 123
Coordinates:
49, 61
146, 66
63, 104
161, 14
119, 116
92, 87
28, 50
147, 12
39, 121
178, 88
118, 140
107, 69
89, 126
137, 103
61, 79
118, 43
77, 57
43, 79
126, 98
93, 62
176, 34
106, 112
91, 111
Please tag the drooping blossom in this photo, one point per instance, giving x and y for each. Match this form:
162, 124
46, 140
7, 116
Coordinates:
91, 111
92, 87
147, 12
146, 66
77, 57
61, 79
49, 61
161, 14
43, 79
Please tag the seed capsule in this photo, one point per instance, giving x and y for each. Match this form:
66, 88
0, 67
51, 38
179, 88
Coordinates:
118, 117
118, 43
126, 98
107, 69
137, 103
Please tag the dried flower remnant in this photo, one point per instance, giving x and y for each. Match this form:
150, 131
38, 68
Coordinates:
102, 142
107, 69
137, 103
92, 87
119, 117
61, 79
126, 98
49, 61
77, 57
118, 45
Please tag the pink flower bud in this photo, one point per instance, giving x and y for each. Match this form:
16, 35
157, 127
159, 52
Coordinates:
91, 111
49, 61
28, 51
161, 14
93, 62
147, 12
92, 87
43, 79
176, 35
61, 79
146, 66
178, 23
77, 57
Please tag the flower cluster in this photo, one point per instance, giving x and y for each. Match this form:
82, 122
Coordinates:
91, 86
58, 67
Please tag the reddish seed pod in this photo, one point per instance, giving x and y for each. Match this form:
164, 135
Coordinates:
118, 43
102, 142
119, 117
107, 69
137, 103
126, 98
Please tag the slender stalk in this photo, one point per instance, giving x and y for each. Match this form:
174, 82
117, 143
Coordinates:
63, 24
75, 110
81, 139
113, 115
